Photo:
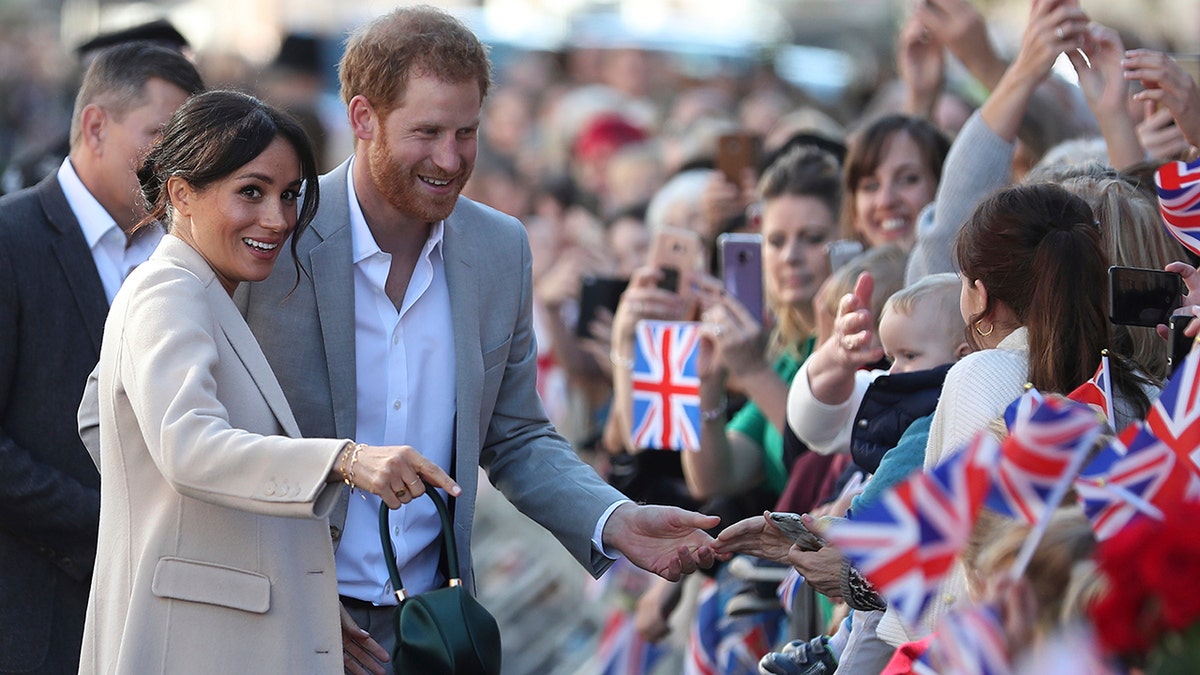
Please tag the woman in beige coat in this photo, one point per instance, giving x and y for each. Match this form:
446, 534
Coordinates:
215, 552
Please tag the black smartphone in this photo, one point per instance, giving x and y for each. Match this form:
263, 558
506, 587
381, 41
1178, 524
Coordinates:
741, 269
596, 292
1143, 297
1180, 343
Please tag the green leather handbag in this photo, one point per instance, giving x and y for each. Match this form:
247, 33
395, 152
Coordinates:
444, 630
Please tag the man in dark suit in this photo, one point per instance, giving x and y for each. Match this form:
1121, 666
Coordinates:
65, 246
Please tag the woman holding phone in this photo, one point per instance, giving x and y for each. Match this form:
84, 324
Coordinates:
214, 551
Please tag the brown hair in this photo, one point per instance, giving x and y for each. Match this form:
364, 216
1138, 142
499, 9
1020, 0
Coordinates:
382, 55
866, 151
1037, 250
214, 134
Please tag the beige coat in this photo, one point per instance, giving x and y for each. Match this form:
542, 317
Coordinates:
214, 552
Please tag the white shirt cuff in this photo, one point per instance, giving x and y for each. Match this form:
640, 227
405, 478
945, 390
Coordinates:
598, 533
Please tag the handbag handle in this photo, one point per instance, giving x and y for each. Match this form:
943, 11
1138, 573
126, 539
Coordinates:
448, 545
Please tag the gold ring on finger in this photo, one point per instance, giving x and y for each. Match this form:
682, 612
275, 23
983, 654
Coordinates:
400, 493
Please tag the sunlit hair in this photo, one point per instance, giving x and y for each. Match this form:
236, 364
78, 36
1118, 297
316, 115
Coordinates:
940, 289
382, 56
116, 80
868, 147
1133, 235
1068, 540
213, 135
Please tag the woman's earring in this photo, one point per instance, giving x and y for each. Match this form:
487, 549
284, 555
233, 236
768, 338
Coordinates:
981, 332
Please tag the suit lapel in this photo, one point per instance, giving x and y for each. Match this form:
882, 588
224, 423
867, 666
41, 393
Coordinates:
331, 263
462, 281
78, 267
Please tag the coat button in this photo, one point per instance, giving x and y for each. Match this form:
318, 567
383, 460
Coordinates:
862, 424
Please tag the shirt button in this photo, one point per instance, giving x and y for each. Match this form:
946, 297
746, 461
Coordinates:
395, 339
396, 405
396, 531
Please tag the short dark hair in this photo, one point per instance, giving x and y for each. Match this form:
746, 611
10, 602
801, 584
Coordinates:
214, 134
117, 79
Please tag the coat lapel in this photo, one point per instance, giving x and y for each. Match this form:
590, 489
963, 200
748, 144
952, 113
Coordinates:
78, 267
233, 325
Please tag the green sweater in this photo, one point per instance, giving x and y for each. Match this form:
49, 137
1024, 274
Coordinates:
753, 424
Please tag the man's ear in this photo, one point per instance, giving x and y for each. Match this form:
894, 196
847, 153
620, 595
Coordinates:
364, 121
180, 194
93, 126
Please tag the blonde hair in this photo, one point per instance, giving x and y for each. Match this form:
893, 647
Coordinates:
1068, 540
942, 290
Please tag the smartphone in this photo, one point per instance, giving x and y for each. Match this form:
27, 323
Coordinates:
1143, 297
841, 252
741, 269
737, 152
791, 525
1180, 343
596, 292
678, 253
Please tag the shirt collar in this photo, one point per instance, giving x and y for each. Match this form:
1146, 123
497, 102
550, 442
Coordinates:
93, 219
363, 243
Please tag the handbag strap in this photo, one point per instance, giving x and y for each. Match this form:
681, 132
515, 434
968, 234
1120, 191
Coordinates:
448, 546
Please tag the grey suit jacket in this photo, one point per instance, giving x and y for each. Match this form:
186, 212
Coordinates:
213, 556
308, 336
52, 309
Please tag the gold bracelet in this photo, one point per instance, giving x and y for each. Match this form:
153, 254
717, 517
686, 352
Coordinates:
347, 449
354, 460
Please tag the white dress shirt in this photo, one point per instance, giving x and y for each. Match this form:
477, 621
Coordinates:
405, 374
115, 254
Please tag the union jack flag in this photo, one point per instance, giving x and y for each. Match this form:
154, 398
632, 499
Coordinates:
1097, 391
1117, 486
1179, 200
1044, 448
970, 641
788, 588
666, 386
1175, 416
622, 651
906, 542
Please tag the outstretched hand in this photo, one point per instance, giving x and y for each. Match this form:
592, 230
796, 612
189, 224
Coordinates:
665, 540
756, 536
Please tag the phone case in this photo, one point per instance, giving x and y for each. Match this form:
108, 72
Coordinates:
791, 525
735, 153
679, 253
741, 270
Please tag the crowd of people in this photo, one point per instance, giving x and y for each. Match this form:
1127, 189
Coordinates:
233, 325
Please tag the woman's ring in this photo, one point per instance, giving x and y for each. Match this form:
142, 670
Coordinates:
1058, 31
717, 330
